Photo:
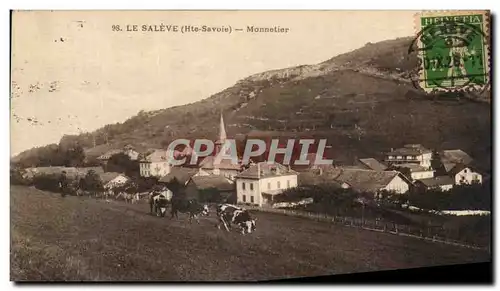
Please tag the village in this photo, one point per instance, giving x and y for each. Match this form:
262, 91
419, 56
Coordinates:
250, 145
257, 183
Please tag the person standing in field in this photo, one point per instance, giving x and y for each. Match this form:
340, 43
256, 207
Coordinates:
63, 183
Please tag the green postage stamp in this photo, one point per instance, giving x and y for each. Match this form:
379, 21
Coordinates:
453, 50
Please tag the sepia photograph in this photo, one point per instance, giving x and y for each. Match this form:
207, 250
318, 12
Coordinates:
250, 145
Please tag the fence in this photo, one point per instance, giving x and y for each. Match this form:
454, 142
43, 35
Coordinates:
429, 234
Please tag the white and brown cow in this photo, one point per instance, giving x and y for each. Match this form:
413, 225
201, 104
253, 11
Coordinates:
229, 214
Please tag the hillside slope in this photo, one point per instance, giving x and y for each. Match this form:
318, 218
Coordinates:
363, 101
78, 238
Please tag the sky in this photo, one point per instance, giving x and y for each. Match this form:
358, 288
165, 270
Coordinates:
72, 73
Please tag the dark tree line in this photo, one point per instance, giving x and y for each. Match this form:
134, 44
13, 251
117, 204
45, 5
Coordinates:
16, 176
463, 197
54, 155
122, 163
327, 198
332, 199
91, 182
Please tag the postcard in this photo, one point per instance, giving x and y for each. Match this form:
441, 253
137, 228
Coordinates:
250, 146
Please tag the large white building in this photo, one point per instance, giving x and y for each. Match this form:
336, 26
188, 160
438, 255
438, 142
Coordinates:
260, 182
410, 153
156, 164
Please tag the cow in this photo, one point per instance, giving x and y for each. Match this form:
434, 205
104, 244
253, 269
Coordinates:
231, 214
128, 197
159, 202
192, 207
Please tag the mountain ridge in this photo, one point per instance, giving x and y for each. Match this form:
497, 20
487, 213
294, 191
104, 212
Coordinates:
363, 101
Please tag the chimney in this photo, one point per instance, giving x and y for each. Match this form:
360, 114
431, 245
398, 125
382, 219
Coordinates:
320, 171
258, 170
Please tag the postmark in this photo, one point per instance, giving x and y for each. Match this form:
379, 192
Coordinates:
453, 51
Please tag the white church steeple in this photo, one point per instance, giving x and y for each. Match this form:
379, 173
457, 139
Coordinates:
222, 135
222, 130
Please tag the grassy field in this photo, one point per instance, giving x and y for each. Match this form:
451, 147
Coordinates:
74, 238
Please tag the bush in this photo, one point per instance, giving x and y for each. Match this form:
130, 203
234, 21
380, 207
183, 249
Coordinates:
463, 197
16, 178
146, 184
326, 198
210, 195
122, 163
91, 182
47, 182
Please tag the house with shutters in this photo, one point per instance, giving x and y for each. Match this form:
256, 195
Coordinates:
156, 164
258, 184
410, 153
465, 175
453, 168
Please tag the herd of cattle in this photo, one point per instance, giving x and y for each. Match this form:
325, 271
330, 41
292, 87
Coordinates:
129, 198
227, 214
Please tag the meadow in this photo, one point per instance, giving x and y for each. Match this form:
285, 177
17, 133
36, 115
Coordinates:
77, 238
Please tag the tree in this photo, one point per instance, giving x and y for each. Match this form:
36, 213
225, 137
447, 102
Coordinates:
460, 197
145, 184
91, 182
178, 190
328, 198
123, 164
210, 195
16, 176
74, 156
47, 182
